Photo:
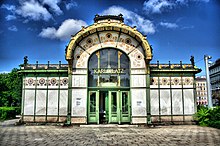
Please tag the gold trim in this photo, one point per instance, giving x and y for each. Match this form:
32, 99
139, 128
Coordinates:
84, 32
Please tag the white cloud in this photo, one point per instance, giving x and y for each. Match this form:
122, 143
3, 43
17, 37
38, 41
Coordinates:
159, 6
10, 17
132, 19
8, 7
53, 5
71, 5
33, 10
66, 29
169, 25
13, 28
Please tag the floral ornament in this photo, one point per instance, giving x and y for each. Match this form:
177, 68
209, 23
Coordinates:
164, 81
42, 81
30, 81
65, 81
89, 41
108, 35
128, 41
187, 81
53, 81
176, 81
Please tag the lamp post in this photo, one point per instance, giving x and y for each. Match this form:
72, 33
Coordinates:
206, 58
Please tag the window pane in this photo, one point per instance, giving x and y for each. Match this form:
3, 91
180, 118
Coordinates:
93, 102
114, 101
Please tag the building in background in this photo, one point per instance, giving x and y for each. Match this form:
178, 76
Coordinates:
201, 91
214, 70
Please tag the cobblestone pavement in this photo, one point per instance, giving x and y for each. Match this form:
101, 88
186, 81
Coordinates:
58, 135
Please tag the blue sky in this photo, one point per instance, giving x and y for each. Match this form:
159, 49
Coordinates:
40, 29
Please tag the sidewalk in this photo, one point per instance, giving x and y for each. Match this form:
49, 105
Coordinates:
181, 135
9, 122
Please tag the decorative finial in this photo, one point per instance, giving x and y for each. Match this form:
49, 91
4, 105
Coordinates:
25, 60
192, 61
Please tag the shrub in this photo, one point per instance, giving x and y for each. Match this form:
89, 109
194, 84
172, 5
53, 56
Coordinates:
9, 112
208, 117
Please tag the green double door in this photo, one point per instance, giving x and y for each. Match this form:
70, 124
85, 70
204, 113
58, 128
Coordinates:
109, 107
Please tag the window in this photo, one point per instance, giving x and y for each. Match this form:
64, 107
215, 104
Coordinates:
109, 67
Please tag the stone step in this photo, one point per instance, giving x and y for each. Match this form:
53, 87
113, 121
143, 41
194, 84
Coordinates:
108, 125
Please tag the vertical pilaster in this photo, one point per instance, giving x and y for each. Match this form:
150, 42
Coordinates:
47, 97
194, 93
35, 96
148, 105
171, 99
69, 103
58, 110
23, 97
183, 98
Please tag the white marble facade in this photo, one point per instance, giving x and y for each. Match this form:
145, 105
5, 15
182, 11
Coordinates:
172, 96
45, 96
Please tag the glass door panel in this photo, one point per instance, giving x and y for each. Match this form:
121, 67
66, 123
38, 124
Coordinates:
93, 107
125, 106
113, 107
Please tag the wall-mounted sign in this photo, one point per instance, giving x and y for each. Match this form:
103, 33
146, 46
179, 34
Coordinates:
109, 71
139, 103
78, 101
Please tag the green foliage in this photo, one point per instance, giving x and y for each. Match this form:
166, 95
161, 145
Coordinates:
9, 112
10, 88
208, 117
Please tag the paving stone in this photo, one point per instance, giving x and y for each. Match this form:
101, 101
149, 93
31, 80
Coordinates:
108, 136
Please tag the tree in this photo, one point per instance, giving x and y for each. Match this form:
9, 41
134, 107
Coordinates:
10, 88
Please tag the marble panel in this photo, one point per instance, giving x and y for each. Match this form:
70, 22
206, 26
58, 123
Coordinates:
137, 59
154, 101
29, 102
177, 103
79, 102
30, 82
125, 47
79, 80
81, 60
128, 39
41, 102
138, 80
138, 102
138, 71
52, 108
78, 120
42, 82
79, 71
164, 82
64, 82
140, 120
165, 104
108, 36
90, 41
53, 82
188, 82
189, 103
176, 82
63, 102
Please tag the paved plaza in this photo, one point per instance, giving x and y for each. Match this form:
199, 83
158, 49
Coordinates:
74, 135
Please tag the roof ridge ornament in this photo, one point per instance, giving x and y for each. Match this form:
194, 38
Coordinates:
108, 18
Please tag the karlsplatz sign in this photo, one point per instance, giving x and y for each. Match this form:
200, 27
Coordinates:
109, 71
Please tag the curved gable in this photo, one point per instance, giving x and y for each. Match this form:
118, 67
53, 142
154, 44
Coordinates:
108, 34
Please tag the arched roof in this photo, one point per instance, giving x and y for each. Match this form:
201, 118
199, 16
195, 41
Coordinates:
108, 25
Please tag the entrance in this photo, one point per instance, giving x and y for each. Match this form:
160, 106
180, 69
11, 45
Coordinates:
109, 107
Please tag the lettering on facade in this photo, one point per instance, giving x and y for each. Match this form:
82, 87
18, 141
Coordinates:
109, 71
78, 101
